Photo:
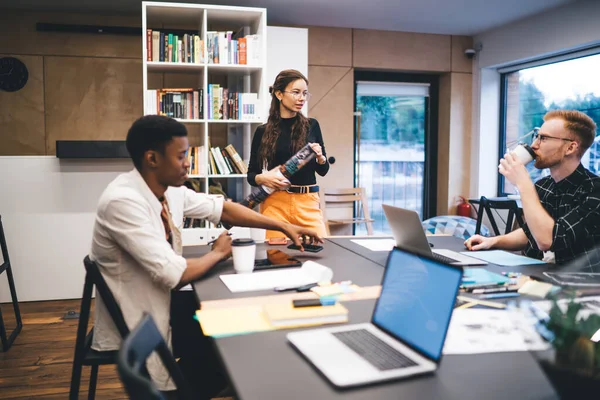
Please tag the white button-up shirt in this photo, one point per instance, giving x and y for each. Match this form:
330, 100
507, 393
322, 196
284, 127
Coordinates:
139, 265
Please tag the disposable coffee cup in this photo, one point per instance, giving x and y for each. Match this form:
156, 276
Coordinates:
524, 153
243, 252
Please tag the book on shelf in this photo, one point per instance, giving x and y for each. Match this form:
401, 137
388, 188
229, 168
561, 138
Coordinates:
225, 104
183, 103
286, 315
224, 161
197, 162
227, 47
168, 47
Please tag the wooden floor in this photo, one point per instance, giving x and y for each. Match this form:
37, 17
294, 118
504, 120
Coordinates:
38, 365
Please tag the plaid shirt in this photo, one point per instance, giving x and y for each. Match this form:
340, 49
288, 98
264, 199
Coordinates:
574, 204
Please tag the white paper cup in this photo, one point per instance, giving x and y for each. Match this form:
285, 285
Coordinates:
243, 252
258, 234
524, 153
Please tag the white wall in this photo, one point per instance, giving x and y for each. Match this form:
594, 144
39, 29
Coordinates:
48, 207
287, 48
567, 28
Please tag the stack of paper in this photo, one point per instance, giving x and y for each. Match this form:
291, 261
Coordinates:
284, 315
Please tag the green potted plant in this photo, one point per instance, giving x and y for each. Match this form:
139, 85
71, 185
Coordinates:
575, 368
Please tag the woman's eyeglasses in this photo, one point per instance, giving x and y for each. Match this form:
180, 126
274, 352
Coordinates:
297, 95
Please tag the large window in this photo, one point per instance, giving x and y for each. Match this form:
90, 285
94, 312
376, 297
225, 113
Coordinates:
395, 148
530, 92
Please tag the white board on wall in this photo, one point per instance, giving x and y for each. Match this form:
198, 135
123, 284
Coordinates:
287, 48
48, 208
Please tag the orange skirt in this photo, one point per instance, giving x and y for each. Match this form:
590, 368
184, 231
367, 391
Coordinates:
302, 209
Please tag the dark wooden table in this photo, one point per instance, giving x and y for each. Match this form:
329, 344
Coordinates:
264, 365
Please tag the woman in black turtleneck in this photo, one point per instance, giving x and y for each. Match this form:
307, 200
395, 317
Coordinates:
296, 201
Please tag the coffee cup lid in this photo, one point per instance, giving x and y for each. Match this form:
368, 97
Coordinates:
242, 242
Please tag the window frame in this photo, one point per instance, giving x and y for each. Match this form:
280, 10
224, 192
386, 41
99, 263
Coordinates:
509, 69
431, 128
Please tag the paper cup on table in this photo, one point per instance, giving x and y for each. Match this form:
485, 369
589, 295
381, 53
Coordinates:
243, 252
258, 234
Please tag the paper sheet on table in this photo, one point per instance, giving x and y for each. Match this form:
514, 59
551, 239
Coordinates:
233, 321
502, 257
475, 331
310, 272
376, 244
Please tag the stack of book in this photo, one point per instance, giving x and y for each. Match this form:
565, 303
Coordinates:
169, 47
183, 103
225, 104
232, 48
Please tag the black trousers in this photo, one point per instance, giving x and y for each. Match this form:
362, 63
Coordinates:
198, 359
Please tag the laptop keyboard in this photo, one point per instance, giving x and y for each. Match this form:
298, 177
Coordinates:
444, 259
378, 353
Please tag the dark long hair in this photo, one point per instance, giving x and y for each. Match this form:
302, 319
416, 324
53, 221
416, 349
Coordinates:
266, 152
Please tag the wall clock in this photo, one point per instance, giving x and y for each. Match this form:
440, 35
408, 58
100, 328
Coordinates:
13, 74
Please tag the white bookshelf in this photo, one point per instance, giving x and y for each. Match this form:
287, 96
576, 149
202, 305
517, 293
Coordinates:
200, 19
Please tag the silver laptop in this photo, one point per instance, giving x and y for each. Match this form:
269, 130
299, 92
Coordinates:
408, 232
407, 330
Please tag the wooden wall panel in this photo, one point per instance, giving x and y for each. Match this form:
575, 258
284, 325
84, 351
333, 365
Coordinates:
443, 160
330, 46
401, 51
17, 28
454, 138
321, 81
335, 115
22, 113
91, 98
460, 62
460, 138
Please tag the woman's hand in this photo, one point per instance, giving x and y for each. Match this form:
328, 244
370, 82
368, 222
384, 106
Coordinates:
273, 179
317, 149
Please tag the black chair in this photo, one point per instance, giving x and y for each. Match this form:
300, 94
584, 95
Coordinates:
135, 350
84, 354
7, 341
514, 211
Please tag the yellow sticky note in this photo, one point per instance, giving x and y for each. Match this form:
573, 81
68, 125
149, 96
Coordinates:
233, 321
536, 288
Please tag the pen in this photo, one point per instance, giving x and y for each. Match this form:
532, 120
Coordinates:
214, 240
493, 290
470, 288
500, 295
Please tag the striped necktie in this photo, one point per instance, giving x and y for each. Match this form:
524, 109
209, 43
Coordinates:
165, 215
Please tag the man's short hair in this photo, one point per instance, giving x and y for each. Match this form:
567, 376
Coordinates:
578, 123
151, 132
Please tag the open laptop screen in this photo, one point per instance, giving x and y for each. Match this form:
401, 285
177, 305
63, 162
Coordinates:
417, 300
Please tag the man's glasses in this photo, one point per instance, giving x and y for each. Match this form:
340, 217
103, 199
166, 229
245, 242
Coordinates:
543, 137
297, 95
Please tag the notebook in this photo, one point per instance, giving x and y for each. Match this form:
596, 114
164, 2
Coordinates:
285, 315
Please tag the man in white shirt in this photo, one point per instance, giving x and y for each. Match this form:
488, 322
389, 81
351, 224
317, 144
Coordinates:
137, 235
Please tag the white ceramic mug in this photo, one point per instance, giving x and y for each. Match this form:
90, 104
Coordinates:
243, 252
